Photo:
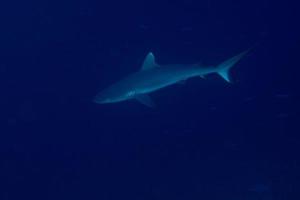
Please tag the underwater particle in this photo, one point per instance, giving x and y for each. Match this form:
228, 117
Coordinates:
259, 188
213, 108
144, 27
27, 112
3, 68
282, 96
282, 115
186, 29
248, 99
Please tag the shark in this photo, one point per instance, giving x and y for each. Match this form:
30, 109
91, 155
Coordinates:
152, 77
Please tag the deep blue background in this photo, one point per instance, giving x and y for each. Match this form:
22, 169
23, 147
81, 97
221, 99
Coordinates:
205, 140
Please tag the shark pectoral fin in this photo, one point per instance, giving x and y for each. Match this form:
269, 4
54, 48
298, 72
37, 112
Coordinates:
145, 99
149, 62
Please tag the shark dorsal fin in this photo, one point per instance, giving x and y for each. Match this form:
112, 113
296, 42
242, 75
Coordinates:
149, 62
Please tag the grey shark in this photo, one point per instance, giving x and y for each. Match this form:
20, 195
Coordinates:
152, 77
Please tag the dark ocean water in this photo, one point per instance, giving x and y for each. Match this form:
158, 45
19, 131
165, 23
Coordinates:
206, 139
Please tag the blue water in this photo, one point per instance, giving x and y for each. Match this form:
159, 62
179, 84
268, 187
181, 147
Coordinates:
206, 139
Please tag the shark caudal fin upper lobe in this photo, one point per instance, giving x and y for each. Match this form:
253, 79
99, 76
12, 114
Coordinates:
223, 69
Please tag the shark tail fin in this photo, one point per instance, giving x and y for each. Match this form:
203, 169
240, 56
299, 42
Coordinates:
223, 69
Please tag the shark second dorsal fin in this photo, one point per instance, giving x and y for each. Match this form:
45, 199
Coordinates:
149, 62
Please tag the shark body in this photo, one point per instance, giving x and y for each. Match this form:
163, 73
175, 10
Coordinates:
153, 77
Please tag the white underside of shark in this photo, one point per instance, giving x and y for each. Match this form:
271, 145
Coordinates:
153, 77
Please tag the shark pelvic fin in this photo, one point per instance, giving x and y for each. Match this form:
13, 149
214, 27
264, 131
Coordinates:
224, 68
149, 62
145, 99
